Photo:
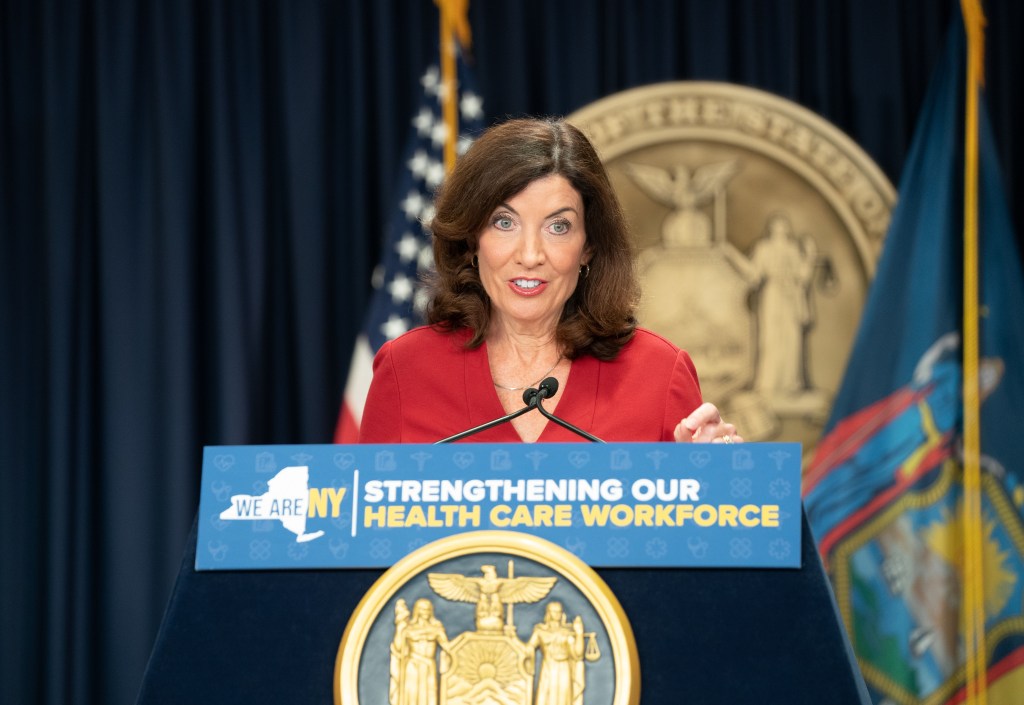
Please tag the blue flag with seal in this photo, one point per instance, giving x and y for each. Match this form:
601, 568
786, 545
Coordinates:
884, 491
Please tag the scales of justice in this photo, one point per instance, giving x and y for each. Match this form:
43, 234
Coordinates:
491, 665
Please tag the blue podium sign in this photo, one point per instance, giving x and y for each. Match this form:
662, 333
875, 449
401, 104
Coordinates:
613, 505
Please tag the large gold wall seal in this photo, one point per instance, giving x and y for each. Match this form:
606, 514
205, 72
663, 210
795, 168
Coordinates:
488, 617
758, 225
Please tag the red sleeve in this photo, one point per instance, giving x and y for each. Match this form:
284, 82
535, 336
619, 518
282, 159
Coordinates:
382, 415
683, 394
644, 393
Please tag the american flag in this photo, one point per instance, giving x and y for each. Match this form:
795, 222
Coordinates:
397, 298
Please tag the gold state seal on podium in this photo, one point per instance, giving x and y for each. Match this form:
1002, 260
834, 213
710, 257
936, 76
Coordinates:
488, 617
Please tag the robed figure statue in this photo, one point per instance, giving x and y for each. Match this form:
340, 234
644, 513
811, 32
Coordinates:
414, 654
561, 679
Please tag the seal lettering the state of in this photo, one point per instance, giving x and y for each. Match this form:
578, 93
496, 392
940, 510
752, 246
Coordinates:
759, 225
488, 617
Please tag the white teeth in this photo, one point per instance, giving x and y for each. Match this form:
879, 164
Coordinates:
526, 283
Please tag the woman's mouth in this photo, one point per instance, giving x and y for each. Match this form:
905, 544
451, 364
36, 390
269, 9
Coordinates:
527, 287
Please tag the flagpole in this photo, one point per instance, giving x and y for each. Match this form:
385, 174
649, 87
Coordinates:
454, 28
973, 527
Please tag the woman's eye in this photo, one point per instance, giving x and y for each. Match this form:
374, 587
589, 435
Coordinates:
503, 222
560, 227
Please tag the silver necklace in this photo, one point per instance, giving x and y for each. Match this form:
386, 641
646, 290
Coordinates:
518, 389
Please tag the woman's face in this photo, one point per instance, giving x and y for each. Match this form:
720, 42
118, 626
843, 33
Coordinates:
554, 612
530, 254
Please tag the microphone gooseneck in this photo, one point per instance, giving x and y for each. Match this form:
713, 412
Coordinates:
547, 389
530, 397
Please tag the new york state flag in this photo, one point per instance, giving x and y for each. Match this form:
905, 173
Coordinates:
884, 490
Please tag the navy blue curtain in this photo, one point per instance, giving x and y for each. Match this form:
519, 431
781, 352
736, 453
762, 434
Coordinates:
192, 199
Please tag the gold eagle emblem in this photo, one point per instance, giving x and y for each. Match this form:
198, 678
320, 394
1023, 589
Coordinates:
489, 593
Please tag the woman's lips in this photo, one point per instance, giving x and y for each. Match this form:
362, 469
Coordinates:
527, 287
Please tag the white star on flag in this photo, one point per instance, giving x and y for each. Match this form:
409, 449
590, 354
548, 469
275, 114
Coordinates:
471, 106
407, 247
413, 205
423, 122
434, 174
394, 327
431, 81
419, 163
425, 258
438, 134
427, 215
400, 288
420, 300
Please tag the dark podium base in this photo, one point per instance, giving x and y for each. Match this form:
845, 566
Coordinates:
704, 636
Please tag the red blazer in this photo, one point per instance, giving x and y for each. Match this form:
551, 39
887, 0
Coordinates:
426, 386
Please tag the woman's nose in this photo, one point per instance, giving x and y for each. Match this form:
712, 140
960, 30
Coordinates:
531, 249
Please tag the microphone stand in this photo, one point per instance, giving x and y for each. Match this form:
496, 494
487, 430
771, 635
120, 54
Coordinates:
547, 389
530, 397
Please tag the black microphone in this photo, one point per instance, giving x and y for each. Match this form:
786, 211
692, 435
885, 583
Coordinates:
530, 398
547, 389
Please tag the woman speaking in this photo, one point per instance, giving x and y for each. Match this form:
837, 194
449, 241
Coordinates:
534, 279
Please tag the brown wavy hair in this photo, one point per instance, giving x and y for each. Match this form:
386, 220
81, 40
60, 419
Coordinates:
600, 315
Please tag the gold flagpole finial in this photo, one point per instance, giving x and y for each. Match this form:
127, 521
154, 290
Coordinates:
974, 24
